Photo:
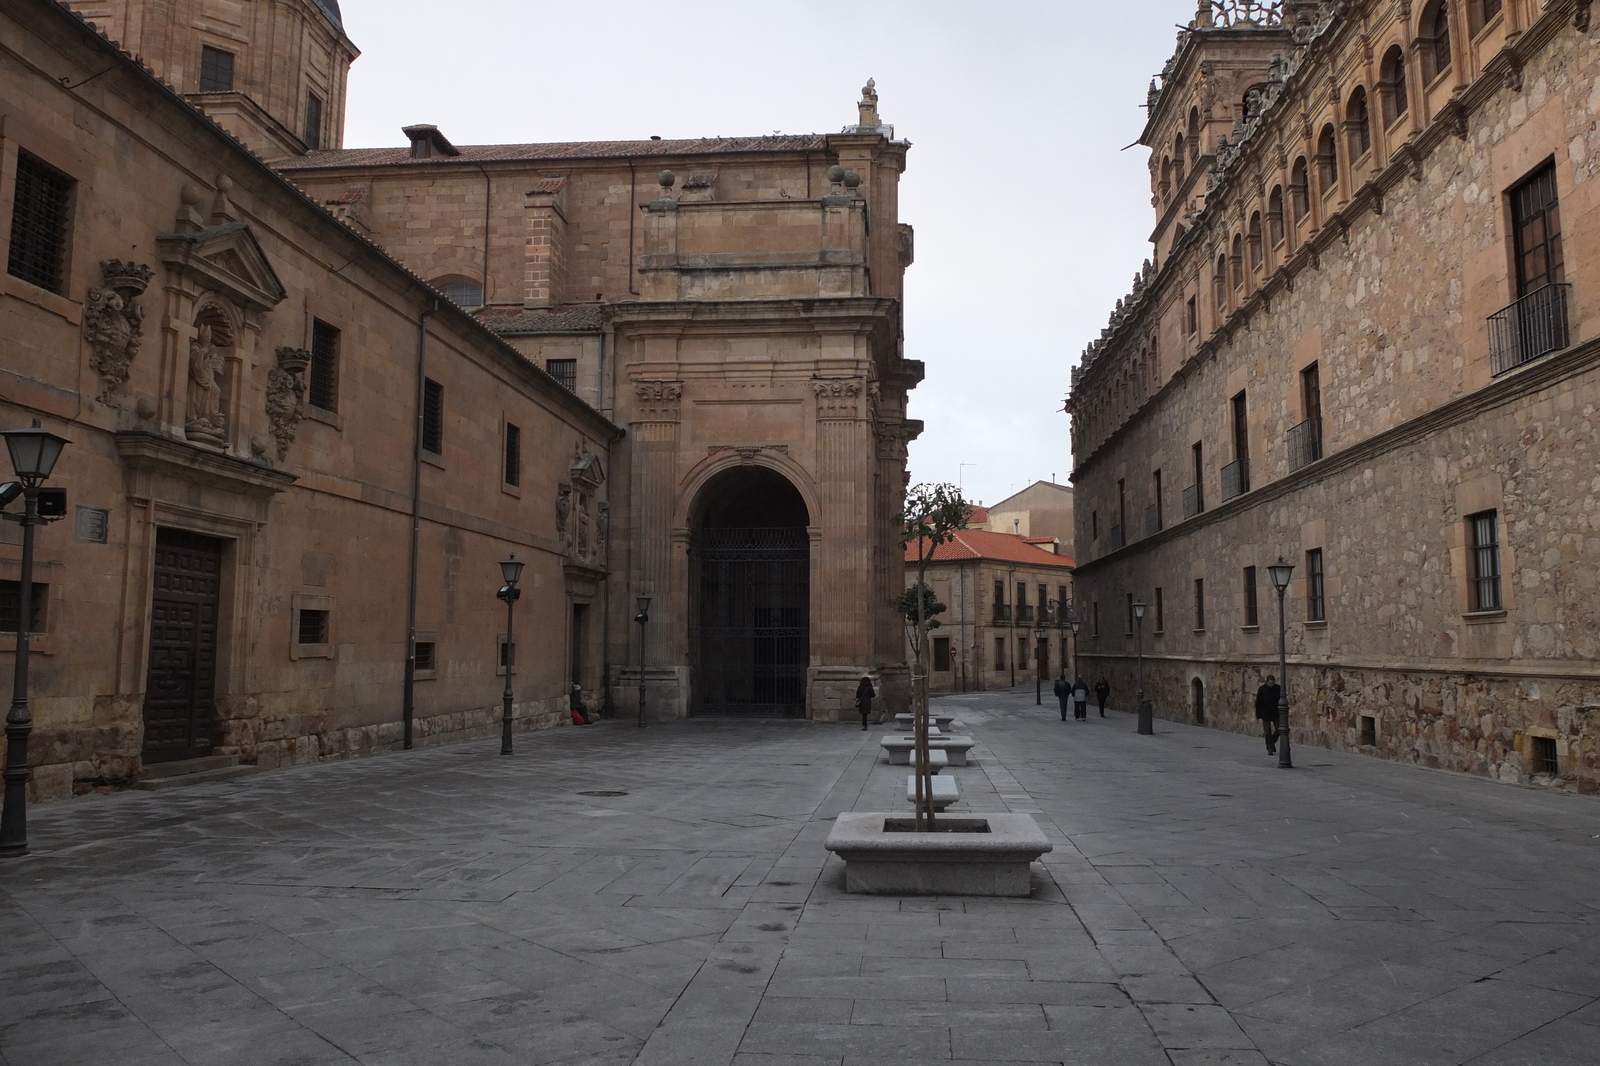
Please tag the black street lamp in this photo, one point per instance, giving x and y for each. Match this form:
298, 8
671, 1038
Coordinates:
33, 455
1073, 624
1146, 712
511, 570
1039, 652
642, 617
1281, 573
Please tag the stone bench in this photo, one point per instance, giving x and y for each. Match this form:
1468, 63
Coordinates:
899, 750
945, 791
903, 722
968, 855
953, 748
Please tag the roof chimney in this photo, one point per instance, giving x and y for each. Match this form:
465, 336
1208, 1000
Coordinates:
428, 143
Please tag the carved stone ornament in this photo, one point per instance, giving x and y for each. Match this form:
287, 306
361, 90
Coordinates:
1580, 16
894, 442
747, 452
204, 422
286, 393
836, 397
659, 400
563, 508
113, 322
602, 532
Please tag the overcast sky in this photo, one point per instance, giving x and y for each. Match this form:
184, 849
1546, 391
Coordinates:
1030, 219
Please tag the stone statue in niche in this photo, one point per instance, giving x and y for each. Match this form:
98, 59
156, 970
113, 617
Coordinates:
204, 422
563, 509
286, 392
113, 321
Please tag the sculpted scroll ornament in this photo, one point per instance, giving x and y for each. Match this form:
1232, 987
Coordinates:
286, 392
204, 422
113, 322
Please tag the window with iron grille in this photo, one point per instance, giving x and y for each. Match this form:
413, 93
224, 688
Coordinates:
11, 606
513, 455
216, 70
432, 416
941, 653
39, 213
506, 651
1129, 630
1160, 612
313, 627
565, 371
1252, 602
999, 653
427, 655
1483, 529
1536, 222
1199, 603
1546, 759
1094, 612
323, 388
1316, 603
313, 135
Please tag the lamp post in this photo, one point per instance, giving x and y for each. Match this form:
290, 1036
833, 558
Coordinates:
1039, 651
642, 617
511, 571
1146, 712
1281, 573
1073, 624
33, 455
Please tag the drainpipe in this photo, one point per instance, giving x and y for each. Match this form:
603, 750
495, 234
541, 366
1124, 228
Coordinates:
408, 699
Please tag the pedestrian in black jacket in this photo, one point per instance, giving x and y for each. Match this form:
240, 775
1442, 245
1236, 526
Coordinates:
1267, 697
1102, 692
864, 697
1063, 693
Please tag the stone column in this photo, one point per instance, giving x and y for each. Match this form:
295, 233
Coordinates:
654, 435
843, 591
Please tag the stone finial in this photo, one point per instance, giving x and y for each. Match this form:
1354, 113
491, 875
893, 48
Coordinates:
221, 207
666, 179
869, 104
189, 219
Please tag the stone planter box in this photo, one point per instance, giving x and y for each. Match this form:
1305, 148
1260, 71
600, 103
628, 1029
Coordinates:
899, 749
880, 860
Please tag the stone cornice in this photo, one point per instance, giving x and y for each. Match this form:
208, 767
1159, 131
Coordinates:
1558, 669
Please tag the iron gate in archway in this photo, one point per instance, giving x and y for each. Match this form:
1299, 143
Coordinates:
751, 621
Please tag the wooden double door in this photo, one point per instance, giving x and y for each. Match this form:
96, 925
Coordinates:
180, 690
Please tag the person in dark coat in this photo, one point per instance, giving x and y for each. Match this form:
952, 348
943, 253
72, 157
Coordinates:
1102, 692
1267, 697
1080, 700
1063, 693
864, 698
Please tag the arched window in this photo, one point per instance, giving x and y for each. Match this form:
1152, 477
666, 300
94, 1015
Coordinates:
1393, 74
1166, 179
1255, 241
1435, 39
1238, 261
1178, 158
1194, 134
462, 291
1359, 123
1480, 13
1327, 161
1275, 216
1219, 281
1300, 188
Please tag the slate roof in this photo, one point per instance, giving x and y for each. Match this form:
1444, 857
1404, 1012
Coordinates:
997, 547
491, 153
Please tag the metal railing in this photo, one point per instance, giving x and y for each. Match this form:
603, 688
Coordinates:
1305, 443
1152, 520
1193, 502
1118, 538
1024, 613
1236, 479
1533, 326
1002, 612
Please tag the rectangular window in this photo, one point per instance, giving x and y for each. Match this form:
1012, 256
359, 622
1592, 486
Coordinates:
11, 606
999, 653
1536, 223
505, 650
313, 627
1022, 594
1160, 611
513, 466
1483, 532
313, 135
1062, 604
1155, 491
39, 211
999, 593
216, 70
565, 371
427, 655
432, 416
1094, 525
941, 653
1199, 603
1369, 730
1546, 759
323, 387
1129, 630
1094, 612
1316, 605
1022, 652
1241, 428
1252, 601
1193, 316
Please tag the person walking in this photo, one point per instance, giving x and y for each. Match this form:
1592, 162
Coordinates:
1080, 700
1102, 692
864, 698
1267, 697
1063, 693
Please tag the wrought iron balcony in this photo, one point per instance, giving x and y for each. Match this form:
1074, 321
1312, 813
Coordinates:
1024, 613
1002, 612
1533, 326
1118, 537
1305, 443
1152, 520
1236, 479
1193, 502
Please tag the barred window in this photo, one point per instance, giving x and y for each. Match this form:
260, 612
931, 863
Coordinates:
565, 371
999, 653
11, 606
216, 70
1316, 603
313, 627
1160, 611
39, 211
427, 658
1252, 601
432, 416
1483, 530
313, 135
1199, 603
513, 472
323, 388
1536, 224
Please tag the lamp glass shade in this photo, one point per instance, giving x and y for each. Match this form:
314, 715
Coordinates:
1074, 624
34, 452
1138, 610
644, 605
511, 570
1280, 573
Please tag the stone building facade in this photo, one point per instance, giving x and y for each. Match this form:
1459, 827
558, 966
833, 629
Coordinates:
1007, 605
1365, 344
735, 304
262, 405
1042, 512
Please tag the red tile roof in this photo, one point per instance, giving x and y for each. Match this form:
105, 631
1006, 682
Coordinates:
978, 515
998, 547
490, 153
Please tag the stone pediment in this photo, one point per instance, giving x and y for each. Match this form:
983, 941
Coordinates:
226, 259
587, 471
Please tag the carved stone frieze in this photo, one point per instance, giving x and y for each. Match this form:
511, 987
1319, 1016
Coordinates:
747, 452
837, 397
286, 393
113, 321
659, 401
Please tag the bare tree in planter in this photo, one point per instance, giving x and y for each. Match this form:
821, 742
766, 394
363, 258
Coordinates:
932, 515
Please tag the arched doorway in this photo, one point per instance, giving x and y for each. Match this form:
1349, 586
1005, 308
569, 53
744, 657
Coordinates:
1199, 689
750, 593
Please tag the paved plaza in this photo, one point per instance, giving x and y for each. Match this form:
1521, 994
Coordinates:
661, 896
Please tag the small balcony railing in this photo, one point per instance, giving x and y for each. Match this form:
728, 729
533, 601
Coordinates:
1236, 479
1193, 502
1533, 326
1002, 612
1305, 443
1152, 520
1118, 537
1024, 613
